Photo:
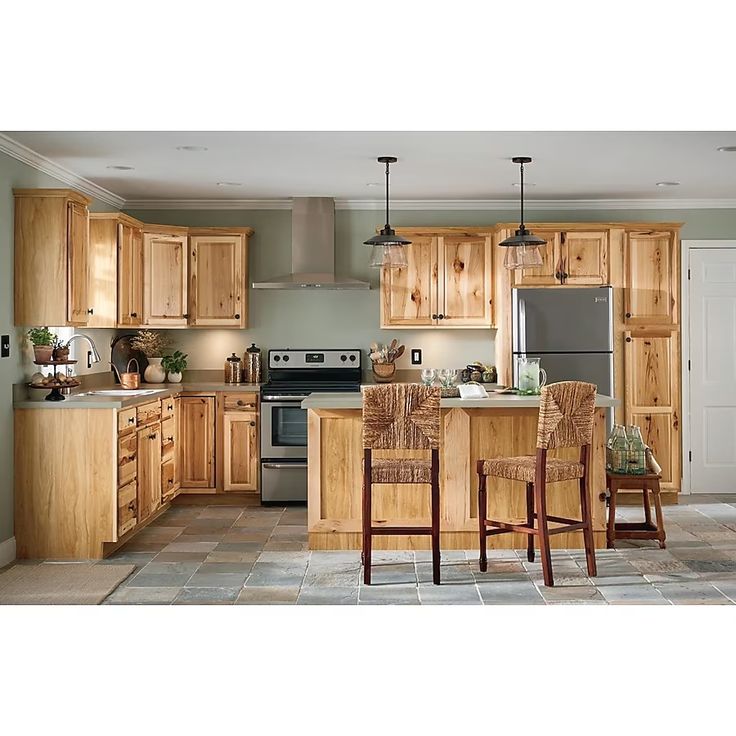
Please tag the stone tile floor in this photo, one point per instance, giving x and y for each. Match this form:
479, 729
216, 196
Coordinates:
256, 555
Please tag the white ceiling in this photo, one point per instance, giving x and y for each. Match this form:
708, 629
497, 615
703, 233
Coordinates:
432, 165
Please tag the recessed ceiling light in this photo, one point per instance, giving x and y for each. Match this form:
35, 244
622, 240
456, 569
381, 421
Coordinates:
526, 184
373, 184
229, 184
668, 183
121, 168
727, 149
191, 148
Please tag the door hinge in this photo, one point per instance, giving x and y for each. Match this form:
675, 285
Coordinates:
690, 456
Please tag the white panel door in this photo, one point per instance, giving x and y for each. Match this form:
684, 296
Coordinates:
713, 369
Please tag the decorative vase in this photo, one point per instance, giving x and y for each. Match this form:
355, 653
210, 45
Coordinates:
384, 372
154, 373
174, 377
42, 353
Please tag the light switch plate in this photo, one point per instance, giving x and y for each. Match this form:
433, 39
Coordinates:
5, 346
416, 356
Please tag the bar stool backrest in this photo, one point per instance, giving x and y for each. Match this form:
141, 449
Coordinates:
566, 412
401, 416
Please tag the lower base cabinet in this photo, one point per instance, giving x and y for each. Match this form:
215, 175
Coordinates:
240, 452
127, 508
149, 470
197, 443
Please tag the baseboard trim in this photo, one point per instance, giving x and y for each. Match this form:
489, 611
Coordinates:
7, 551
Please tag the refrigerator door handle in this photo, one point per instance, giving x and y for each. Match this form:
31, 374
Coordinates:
522, 325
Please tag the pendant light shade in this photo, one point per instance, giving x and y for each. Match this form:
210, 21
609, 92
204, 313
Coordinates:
388, 247
523, 246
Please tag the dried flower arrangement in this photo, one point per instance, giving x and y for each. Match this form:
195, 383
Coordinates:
151, 344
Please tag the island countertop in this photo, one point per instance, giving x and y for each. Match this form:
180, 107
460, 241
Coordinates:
354, 400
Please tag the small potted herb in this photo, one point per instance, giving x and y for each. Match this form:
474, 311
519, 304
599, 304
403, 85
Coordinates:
43, 343
61, 350
174, 365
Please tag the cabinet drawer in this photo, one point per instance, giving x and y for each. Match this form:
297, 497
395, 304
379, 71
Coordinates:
167, 407
168, 438
241, 402
126, 419
148, 413
127, 459
127, 508
168, 480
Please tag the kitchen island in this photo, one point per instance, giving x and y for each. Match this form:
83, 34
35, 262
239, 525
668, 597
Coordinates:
499, 426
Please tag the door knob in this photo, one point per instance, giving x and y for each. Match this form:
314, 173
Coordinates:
237, 316
252, 424
628, 339
440, 316
628, 315
434, 316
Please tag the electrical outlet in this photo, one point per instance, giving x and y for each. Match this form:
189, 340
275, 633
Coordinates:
89, 359
5, 346
416, 356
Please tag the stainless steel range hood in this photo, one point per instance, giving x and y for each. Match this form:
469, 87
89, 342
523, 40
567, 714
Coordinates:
312, 249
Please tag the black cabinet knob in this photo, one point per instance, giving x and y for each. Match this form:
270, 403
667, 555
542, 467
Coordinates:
131, 420
434, 316
628, 339
252, 424
90, 311
134, 314
237, 316
628, 315
440, 316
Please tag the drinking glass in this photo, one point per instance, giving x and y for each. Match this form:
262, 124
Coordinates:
428, 376
447, 377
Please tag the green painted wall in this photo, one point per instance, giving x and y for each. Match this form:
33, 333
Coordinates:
14, 174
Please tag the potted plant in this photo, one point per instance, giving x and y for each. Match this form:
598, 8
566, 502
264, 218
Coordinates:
152, 345
43, 343
174, 365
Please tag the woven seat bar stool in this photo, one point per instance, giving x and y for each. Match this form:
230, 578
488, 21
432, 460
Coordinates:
401, 416
566, 412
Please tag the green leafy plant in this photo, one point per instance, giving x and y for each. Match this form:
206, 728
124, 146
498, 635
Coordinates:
175, 363
41, 336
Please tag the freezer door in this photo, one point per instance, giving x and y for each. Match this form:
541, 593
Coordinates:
594, 368
562, 320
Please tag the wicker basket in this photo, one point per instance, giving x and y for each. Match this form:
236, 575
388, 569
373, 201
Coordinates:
384, 372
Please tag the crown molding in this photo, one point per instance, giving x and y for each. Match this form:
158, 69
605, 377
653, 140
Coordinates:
41, 163
438, 204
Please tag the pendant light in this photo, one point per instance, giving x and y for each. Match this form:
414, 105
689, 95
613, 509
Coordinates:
387, 247
523, 246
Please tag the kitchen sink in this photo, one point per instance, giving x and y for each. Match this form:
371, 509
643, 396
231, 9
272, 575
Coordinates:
123, 392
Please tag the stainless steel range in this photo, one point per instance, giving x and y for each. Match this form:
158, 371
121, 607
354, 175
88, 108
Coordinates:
292, 376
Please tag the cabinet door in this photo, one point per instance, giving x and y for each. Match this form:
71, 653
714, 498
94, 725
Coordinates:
651, 267
409, 294
130, 276
464, 293
240, 452
546, 274
585, 257
197, 441
216, 281
651, 398
77, 263
149, 470
103, 266
164, 280
127, 508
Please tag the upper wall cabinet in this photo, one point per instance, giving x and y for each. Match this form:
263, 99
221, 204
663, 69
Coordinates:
165, 278
569, 257
218, 277
651, 277
51, 258
446, 283
116, 270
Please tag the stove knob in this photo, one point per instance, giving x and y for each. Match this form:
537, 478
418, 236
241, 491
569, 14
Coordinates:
352, 358
343, 358
276, 358
286, 358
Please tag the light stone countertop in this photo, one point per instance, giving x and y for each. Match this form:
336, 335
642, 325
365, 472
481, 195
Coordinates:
354, 401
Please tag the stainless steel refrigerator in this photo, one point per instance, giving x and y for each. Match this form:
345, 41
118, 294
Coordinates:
570, 329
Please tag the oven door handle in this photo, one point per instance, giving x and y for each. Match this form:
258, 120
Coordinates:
281, 466
274, 397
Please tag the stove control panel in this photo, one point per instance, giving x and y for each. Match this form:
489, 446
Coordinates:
300, 359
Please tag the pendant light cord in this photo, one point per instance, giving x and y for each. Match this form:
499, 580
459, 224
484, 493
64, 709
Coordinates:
522, 196
388, 226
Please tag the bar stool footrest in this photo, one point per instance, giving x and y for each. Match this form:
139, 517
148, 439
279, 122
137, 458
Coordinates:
387, 530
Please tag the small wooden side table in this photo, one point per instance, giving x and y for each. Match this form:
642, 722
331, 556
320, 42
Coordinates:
634, 530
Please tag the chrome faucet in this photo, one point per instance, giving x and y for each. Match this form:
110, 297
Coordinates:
95, 355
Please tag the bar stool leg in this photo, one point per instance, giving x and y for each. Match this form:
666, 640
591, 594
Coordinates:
367, 523
647, 506
540, 498
661, 534
530, 521
611, 526
435, 517
588, 529
482, 512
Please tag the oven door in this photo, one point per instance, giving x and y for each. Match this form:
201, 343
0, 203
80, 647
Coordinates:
283, 429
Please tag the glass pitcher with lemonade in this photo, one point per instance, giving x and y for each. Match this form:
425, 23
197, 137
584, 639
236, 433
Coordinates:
531, 376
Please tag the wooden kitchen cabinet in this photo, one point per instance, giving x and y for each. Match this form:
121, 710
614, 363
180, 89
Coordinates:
651, 277
197, 443
446, 283
569, 257
218, 276
51, 263
240, 451
165, 278
652, 396
149, 470
130, 274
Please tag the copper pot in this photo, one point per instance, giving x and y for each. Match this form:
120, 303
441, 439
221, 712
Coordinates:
129, 380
